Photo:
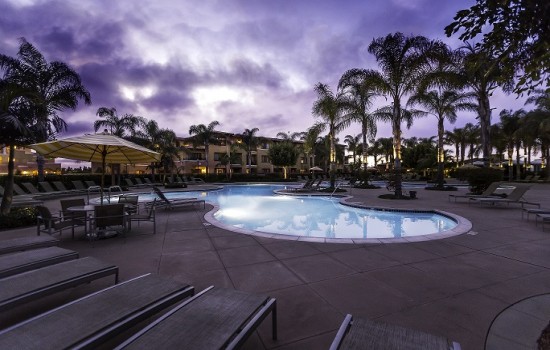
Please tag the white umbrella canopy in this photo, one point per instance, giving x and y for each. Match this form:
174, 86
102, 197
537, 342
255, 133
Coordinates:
315, 168
104, 148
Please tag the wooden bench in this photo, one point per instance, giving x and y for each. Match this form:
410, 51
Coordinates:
90, 321
213, 319
25, 243
12, 264
31, 285
356, 333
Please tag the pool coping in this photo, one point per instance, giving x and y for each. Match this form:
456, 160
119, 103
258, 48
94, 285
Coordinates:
463, 225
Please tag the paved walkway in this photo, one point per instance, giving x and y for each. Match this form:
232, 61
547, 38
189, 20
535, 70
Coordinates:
454, 287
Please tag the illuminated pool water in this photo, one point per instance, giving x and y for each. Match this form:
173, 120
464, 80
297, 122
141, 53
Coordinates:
256, 208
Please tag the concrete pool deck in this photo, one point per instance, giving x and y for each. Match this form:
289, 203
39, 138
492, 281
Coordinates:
453, 287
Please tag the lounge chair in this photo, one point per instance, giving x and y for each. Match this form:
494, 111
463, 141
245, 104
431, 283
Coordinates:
307, 186
515, 197
32, 285
61, 188
175, 203
213, 319
193, 180
26, 200
30, 187
545, 219
47, 187
19, 191
489, 191
98, 317
528, 211
150, 183
79, 185
25, 243
355, 333
129, 183
12, 264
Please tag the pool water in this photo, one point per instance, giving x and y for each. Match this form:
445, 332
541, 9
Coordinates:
257, 208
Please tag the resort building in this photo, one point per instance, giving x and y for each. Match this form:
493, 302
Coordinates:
25, 162
194, 157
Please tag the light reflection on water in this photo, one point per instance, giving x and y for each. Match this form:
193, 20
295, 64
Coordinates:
256, 208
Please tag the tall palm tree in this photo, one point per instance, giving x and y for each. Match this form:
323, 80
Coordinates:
402, 61
481, 72
205, 134
360, 92
472, 139
510, 125
330, 108
444, 105
311, 139
14, 131
250, 142
55, 86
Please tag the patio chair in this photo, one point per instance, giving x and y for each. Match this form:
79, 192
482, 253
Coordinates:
175, 203
108, 218
213, 319
96, 318
489, 191
26, 243
150, 216
12, 264
33, 285
515, 197
52, 223
356, 333
79, 218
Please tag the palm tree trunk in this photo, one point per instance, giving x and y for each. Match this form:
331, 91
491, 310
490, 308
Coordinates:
332, 158
364, 149
440, 153
397, 159
518, 165
8, 184
484, 113
510, 162
40, 166
206, 151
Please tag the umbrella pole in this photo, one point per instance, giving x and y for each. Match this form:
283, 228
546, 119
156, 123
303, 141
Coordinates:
103, 154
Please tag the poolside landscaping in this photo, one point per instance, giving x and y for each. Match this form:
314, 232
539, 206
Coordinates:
453, 287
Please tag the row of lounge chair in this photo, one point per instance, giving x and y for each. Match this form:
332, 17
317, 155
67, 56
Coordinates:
114, 317
492, 195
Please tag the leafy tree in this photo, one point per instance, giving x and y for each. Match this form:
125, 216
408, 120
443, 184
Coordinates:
330, 108
206, 136
402, 61
359, 93
283, 154
519, 37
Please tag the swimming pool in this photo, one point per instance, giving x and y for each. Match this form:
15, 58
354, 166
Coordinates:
255, 208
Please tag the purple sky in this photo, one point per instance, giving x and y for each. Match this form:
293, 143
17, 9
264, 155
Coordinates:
244, 63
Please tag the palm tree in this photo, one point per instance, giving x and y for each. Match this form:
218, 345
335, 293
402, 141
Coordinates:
353, 143
14, 131
330, 107
510, 125
250, 141
359, 92
443, 105
472, 139
310, 139
117, 126
205, 135
402, 61
481, 72
55, 87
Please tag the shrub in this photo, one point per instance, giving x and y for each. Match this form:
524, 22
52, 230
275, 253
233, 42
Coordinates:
18, 217
479, 178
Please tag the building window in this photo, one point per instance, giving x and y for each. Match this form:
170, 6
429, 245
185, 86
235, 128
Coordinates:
265, 159
197, 156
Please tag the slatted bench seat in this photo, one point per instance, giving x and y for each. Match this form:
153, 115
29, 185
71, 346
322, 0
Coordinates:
31, 285
14, 263
213, 319
356, 333
25, 243
90, 321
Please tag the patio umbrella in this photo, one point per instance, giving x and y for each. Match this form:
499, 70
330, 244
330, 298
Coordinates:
315, 168
104, 148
